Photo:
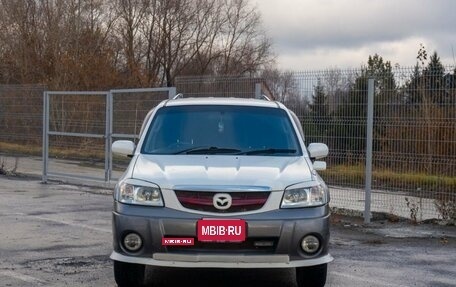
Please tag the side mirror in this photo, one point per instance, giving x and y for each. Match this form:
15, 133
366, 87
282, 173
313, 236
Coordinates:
317, 150
319, 165
123, 147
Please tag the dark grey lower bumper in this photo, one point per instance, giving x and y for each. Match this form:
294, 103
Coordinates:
289, 226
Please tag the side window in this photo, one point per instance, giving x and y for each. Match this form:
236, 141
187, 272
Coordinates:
298, 124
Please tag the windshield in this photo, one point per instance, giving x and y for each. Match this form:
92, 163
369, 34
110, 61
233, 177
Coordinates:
212, 129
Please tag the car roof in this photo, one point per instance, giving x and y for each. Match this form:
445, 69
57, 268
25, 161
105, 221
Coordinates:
223, 101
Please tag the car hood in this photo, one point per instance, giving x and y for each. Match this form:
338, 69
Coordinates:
272, 172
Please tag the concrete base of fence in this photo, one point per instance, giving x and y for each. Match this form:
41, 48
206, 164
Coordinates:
382, 201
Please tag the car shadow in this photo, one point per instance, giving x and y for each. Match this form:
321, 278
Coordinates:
202, 277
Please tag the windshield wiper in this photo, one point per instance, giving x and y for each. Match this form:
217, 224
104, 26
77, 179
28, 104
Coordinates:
268, 151
208, 150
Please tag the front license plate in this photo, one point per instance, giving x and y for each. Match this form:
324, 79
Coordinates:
221, 230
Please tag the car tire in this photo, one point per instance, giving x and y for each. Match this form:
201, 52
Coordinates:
313, 276
129, 274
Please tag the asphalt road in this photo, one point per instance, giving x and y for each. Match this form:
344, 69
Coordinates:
60, 235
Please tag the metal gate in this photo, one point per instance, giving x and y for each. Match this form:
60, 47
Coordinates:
79, 127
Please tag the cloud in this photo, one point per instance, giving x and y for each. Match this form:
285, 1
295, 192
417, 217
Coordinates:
332, 30
402, 52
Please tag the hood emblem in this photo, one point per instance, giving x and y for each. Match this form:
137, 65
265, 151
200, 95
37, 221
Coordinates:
222, 201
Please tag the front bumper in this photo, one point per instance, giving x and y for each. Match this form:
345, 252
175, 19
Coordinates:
289, 226
221, 261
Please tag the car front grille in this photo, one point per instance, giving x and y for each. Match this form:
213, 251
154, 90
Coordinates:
203, 201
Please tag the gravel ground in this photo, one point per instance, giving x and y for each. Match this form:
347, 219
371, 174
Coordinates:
60, 235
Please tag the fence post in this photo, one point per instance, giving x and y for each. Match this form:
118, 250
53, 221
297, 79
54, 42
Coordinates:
45, 148
111, 123
258, 91
108, 137
171, 92
369, 141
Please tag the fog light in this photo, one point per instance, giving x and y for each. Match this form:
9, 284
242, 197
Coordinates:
132, 242
310, 244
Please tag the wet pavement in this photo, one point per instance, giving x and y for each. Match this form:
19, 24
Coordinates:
60, 235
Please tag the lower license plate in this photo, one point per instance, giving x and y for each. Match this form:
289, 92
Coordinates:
221, 230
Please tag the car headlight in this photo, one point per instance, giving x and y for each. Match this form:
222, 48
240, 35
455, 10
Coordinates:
139, 192
305, 195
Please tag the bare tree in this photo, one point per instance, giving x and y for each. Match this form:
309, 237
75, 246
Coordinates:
282, 84
131, 16
333, 82
244, 45
81, 44
21, 40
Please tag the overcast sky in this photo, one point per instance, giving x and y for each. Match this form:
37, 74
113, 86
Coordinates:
319, 34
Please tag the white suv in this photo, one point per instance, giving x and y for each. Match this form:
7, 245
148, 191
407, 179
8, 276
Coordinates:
221, 183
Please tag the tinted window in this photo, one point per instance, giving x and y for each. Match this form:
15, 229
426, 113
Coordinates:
214, 129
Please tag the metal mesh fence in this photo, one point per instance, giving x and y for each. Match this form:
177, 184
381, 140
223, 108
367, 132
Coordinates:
332, 110
414, 136
77, 127
21, 118
82, 126
77, 113
414, 130
223, 86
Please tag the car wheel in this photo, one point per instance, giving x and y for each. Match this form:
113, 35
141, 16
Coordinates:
313, 276
129, 274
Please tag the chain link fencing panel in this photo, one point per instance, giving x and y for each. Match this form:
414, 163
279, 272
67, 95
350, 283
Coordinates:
414, 130
75, 145
21, 121
83, 126
414, 137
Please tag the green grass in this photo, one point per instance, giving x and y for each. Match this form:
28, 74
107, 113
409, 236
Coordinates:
16, 149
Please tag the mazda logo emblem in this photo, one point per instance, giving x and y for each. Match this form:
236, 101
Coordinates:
222, 201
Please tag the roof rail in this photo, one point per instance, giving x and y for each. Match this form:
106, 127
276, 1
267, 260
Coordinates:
178, 96
264, 97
